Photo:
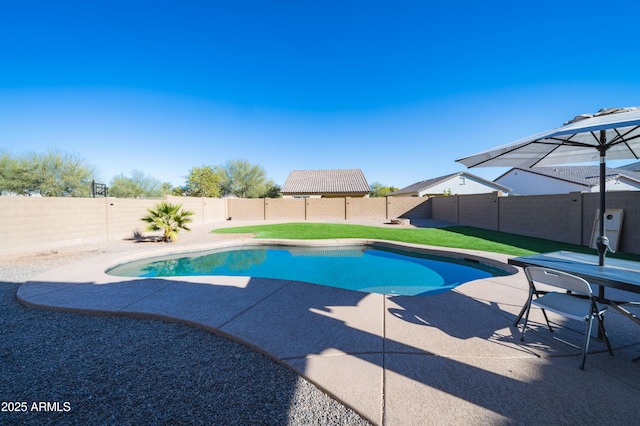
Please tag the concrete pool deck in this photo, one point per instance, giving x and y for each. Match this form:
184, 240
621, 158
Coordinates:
453, 358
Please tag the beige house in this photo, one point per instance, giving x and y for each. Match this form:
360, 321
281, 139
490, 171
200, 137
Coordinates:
325, 184
461, 183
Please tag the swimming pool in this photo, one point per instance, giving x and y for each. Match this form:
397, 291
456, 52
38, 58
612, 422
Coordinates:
363, 267
366, 268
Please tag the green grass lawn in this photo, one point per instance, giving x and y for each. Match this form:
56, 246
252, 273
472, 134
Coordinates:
454, 237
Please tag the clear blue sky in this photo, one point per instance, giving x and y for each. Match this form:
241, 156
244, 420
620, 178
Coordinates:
399, 89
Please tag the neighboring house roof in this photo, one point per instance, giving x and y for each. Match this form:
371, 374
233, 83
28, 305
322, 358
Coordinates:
349, 181
633, 167
425, 185
582, 175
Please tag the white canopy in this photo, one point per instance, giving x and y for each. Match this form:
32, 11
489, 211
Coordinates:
577, 141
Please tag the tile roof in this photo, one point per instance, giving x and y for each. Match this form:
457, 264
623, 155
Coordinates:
429, 183
326, 182
582, 175
634, 167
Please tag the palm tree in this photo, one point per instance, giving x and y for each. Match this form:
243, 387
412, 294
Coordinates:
168, 218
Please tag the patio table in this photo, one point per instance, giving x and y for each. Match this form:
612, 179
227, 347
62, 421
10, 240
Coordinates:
616, 273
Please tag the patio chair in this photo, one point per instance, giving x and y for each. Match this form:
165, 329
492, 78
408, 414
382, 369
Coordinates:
632, 311
578, 302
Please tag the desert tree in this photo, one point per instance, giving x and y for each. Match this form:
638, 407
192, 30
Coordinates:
380, 190
203, 181
138, 185
52, 174
242, 179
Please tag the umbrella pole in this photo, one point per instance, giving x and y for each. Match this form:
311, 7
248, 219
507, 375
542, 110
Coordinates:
602, 243
602, 247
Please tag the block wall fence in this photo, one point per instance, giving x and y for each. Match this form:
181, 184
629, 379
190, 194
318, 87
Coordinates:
32, 224
328, 209
567, 218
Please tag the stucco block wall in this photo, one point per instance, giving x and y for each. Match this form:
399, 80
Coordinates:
293, 209
566, 218
553, 217
245, 209
321, 209
479, 210
629, 201
124, 216
408, 208
35, 223
213, 210
366, 208
30, 223
445, 208
206, 210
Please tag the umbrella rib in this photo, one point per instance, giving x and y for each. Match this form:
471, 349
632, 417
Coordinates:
620, 138
502, 154
624, 136
547, 154
569, 142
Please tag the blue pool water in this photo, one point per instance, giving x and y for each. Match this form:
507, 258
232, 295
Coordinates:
361, 268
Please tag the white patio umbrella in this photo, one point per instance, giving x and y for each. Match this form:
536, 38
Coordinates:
612, 133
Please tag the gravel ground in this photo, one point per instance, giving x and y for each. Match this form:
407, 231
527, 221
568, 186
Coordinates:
94, 370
